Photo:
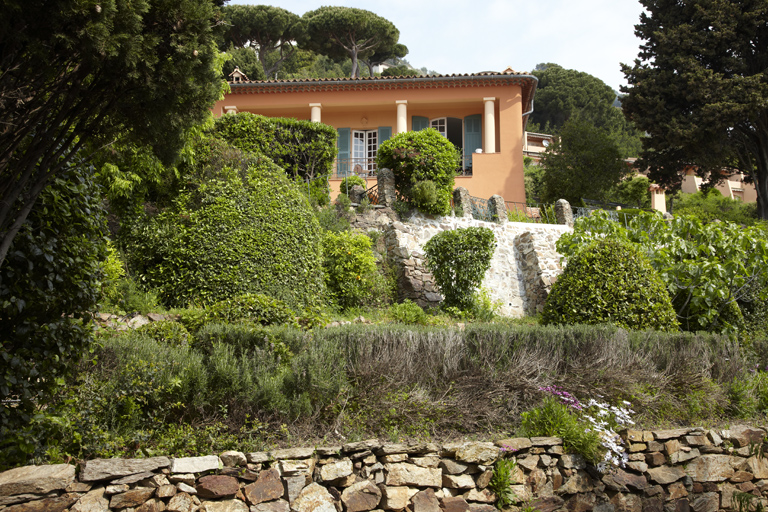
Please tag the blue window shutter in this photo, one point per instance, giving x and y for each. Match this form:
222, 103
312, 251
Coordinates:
385, 132
473, 137
419, 123
342, 157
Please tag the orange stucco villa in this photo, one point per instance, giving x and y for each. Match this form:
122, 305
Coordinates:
483, 114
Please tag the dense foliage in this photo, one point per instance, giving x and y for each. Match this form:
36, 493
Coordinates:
350, 269
304, 149
48, 285
458, 260
710, 205
86, 73
240, 226
699, 89
266, 32
423, 155
584, 162
706, 268
349, 32
565, 94
610, 281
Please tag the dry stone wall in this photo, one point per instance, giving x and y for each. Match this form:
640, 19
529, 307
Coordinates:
523, 268
668, 471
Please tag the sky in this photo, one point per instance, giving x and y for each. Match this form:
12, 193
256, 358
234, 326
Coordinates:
468, 36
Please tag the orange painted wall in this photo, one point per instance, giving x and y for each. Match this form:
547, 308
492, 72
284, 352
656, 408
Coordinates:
497, 173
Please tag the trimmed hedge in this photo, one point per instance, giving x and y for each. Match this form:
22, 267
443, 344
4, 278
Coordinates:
610, 281
240, 227
305, 150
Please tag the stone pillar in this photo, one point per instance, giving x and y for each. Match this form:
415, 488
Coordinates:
386, 182
231, 109
564, 213
461, 200
402, 116
658, 198
497, 208
489, 125
315, 109
356, 194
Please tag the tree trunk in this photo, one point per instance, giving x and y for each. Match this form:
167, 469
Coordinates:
355, 65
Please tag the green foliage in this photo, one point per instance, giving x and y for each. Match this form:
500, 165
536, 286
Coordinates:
408, 312
610, 281
425, 197
711, 205
241, 226
126, 296
705, 268
346, 31
350, 269
141, 73
266, 31
401, 70
698, 88
49, 284
566, 94
246, 60
584, 162
166, 331
554, 419
257, 308
501, 482
534, 181
350, 181
333, 217
420, 156
304, 149
632, 191
458, 260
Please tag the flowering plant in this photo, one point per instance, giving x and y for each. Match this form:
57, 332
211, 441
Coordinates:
598, 421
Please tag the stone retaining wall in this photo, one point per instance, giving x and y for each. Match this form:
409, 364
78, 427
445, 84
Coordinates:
523, 268
668, 471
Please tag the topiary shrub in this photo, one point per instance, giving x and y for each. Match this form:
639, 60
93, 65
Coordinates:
351, 275
424, 155
239, 226
610, 281
458, 260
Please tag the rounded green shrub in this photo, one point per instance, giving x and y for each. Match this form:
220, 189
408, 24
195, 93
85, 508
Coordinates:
610, 281
419, 156
239, 226
458, 260
351, 275
426, 197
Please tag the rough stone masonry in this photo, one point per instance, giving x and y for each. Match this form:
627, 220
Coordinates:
680, 470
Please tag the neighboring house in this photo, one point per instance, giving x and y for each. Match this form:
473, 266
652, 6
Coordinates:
536, 144
734, 187
483, 114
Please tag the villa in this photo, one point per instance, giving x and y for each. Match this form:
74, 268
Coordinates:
483, 114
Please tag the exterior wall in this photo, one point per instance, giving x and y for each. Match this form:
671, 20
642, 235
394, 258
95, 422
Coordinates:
667, 470
368, 108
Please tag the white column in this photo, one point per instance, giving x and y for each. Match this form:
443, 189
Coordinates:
402, 116
231, 109
489, 126
315, 113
